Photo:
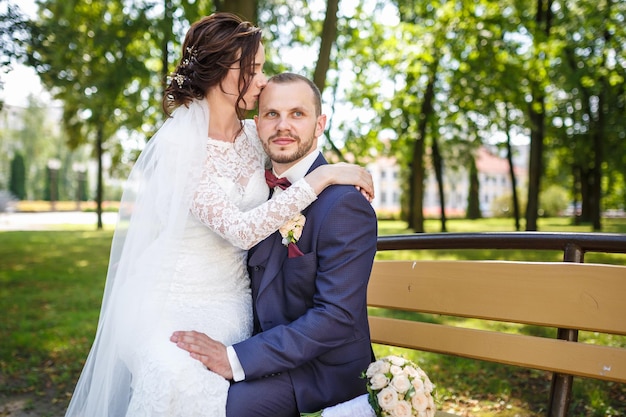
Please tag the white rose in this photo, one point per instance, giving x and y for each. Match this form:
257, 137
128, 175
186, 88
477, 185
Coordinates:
428, 386
419, 401
401, 383
418, 384
378, 367
292, 227
402, 409
379, 381
430, 410
431, 404
397, 360
387, 398
410, 371
395, 370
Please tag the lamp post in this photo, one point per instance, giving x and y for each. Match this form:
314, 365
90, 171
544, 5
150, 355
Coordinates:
53, 171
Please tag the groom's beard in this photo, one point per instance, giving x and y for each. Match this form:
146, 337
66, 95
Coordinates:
281, 157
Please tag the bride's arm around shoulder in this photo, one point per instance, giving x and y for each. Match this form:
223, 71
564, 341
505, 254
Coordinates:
255, 142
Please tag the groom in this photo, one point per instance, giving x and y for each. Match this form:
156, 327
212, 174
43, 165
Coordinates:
311, 339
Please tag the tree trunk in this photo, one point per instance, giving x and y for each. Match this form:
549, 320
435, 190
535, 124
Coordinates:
536, 112
166, 32
586, 186
328, 39
100, 183
576, 186
416, 197
473, 194
598, 154
599, 134
535, 167
509, 157
416, 221
438, 166
329, 36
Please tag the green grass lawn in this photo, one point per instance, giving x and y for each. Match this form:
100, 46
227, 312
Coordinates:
51, 285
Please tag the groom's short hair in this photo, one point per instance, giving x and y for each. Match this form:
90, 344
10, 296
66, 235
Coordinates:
289, 77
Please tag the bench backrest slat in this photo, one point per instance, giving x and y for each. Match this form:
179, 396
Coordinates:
556, 294
554, 355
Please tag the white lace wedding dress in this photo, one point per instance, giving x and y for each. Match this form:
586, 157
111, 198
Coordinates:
209, 291
191, 208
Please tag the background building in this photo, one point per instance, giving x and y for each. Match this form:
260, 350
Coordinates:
493, 177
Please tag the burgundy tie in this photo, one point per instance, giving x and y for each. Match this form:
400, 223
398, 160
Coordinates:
273, 181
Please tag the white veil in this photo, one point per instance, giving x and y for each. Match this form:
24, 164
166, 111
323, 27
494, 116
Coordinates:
152, 215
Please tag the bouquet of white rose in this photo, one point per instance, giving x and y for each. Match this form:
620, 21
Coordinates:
396, 388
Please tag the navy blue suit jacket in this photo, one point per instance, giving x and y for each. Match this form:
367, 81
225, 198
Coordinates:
310, 312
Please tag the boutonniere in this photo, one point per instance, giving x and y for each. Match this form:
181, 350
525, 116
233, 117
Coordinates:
291, 232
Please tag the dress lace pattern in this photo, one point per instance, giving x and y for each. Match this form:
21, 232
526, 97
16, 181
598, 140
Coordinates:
234, 174
210, 290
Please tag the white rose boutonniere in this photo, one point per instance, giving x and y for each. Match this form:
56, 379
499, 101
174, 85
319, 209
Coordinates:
291, 232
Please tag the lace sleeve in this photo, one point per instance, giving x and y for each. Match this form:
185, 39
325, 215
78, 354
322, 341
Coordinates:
245, 229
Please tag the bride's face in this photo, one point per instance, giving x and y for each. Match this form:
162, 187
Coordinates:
231, 86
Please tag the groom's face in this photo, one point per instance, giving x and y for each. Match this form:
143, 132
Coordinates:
288, 124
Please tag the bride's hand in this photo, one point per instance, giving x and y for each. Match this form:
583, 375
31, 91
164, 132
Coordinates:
342, 173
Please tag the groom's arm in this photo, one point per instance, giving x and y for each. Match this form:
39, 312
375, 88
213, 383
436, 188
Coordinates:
345, 253
338, 314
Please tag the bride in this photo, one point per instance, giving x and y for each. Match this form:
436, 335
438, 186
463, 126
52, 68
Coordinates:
195, 201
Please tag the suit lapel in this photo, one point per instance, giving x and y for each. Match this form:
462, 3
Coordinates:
271, 251
277, 253
261, 253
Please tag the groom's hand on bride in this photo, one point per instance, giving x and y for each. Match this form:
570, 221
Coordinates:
208, 351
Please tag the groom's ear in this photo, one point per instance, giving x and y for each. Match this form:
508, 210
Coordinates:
320, 125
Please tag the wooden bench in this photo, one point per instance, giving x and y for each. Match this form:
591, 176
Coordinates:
570, 296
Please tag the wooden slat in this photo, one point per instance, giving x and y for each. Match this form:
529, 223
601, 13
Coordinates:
554, 355
579, 296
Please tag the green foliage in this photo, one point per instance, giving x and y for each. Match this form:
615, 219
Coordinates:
503, 207
12, 31
553, 201
491, 65
94, 56
17, 183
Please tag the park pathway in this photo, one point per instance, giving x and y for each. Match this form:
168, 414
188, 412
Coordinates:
51, 220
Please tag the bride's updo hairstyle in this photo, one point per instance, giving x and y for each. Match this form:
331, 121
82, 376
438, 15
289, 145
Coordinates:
212, 46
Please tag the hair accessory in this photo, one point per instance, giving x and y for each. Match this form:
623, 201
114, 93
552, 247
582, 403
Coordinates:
191, 54
179, 78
